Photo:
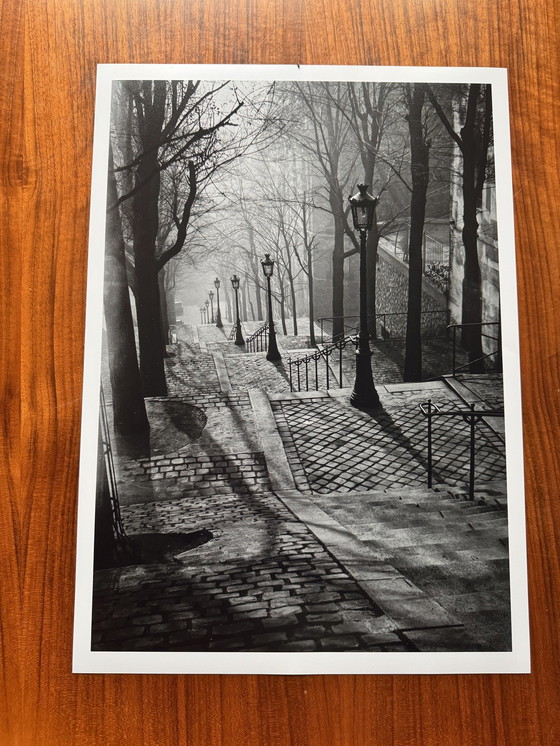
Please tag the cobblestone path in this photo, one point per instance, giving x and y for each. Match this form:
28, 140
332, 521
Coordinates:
386, 450
266, 580
263, 583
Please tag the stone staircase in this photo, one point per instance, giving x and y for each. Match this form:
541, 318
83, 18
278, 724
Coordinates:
453, 550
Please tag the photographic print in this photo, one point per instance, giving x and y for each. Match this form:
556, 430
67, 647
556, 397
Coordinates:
302, 424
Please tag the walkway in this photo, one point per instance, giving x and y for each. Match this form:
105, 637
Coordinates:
323, 533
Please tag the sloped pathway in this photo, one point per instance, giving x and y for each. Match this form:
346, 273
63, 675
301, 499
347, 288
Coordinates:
298, 560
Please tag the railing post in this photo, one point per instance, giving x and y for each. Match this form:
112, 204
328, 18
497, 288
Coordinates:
472, 422
340, 366
316, 359
454, 346
290, 368
429, 442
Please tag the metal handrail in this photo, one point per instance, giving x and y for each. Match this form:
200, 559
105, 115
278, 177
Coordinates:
256, 342
325, 352
495, 353
379, 318
122, 543
472, 417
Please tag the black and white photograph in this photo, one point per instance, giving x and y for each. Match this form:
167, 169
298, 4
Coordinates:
301, 429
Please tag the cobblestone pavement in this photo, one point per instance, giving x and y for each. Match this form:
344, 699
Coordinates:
265, 580
263, 583
388, 449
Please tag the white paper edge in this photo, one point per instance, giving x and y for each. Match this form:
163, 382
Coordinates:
518, 660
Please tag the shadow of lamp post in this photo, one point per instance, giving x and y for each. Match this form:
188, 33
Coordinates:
238, 335
268, 269
218, 314
364, 395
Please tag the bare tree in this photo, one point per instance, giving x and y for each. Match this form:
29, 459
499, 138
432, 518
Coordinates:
179, 129
473, 141
420, 171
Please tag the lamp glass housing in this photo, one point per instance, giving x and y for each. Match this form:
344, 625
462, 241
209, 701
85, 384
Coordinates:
363, 208
267, 265
217, 283
235, 282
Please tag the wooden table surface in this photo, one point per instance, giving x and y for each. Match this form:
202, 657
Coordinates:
50, 49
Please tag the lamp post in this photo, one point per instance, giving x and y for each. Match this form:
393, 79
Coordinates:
207, 303
268, 269
364, 395
238, 335
202, 314
218, 314
211, 296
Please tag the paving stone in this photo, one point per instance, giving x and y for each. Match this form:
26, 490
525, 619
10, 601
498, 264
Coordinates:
235, 628
300, 646
340, 643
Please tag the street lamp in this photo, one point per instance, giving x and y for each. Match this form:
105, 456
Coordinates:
202, 314
211, 296
364, 395
207, 303
238, 335
268, 269
218, 314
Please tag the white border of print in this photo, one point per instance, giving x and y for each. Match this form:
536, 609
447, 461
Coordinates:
87, 661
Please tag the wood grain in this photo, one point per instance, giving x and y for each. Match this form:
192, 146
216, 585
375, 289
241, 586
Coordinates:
50, 49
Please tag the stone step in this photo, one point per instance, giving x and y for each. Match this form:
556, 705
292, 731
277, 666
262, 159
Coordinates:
482, 548
453, 535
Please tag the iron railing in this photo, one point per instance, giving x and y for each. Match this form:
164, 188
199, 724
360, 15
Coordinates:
122, 542
257, 342
388, 325
435, 258
304, 371
472, 417
493, 355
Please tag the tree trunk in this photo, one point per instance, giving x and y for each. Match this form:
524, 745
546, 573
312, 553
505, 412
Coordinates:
420, 169
129, 409
150, 337
164, 310
472, 296
244, 301
371, 269
294, 307
260, 312
338, 279
283, 311
311, 299
145, 230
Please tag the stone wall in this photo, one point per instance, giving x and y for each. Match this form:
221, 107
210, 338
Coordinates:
392, 298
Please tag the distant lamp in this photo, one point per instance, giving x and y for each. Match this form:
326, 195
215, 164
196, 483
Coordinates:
218, 312
238, 334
